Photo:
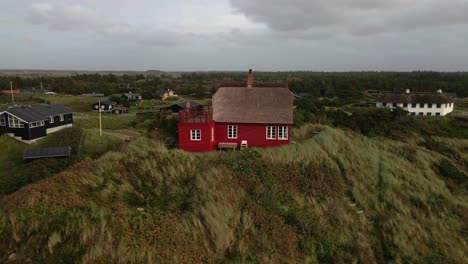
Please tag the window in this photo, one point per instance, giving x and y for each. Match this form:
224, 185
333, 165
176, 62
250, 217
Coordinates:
2, 121
15, 122
413, 105
421, 105
395, 104
51, 120
405, 105
96, 107
429, 105
439, 105
421, 113
437, 114
429, 114
36, 124
232, 132
283, 133
413, 113
195, 134
271, 132
62, 118
212, 134
384, 104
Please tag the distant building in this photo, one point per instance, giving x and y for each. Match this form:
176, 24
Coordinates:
11, 91
94, 94
119, 110
34, 91
165, 93
132, 96
418, 103
106, 106
248, 116
30, 123
176, 108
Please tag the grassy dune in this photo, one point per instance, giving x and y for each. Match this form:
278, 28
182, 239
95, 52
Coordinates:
334, 197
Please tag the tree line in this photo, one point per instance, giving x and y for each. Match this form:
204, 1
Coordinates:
345, 85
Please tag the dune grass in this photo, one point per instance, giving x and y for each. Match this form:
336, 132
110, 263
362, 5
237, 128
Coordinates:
336, 197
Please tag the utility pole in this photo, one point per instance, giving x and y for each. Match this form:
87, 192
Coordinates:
11, 89
100, 119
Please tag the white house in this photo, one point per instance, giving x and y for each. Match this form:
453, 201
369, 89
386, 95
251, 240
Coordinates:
418, 103
133, 96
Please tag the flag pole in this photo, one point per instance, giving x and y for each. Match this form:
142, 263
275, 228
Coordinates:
100, 119
11, 89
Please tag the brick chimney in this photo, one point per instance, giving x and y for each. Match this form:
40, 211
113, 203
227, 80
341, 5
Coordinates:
250, 79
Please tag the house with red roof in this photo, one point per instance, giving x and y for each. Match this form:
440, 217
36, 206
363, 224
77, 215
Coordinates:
251, 114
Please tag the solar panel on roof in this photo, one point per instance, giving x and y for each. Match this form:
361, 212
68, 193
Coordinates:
50, 152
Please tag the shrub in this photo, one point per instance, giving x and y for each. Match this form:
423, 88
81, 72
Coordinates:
448, 170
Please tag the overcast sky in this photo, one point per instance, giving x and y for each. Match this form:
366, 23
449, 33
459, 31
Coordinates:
185, 35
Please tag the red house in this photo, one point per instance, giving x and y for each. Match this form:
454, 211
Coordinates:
253, 115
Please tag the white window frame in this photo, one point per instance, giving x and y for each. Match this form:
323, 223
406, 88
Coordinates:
271, 132
14, 122
283, 133
36, 124
232, 131
51, 119
62, 118
2, 120
212, 134
195, 134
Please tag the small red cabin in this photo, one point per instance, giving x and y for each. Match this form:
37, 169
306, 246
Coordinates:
252, 116
10, 91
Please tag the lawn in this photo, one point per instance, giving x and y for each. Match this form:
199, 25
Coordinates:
77, 103
91, 121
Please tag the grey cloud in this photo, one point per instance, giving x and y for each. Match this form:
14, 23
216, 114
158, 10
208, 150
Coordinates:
353, 17
63, 17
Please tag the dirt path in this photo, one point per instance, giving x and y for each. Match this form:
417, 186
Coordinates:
118, 135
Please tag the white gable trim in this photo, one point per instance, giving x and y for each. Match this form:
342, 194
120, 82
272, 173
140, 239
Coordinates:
18, 117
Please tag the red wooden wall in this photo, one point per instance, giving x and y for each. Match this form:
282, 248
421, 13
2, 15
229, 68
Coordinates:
255, 134
207, 142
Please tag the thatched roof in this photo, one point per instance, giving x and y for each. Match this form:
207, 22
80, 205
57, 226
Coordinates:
267, 105
419, 97
257, 84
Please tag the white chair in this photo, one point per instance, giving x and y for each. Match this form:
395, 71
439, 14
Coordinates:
243, 144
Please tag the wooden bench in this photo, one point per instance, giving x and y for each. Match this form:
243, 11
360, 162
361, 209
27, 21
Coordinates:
227, 145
